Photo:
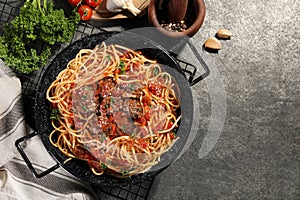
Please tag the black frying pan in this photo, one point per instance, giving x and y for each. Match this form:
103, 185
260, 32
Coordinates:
42, 107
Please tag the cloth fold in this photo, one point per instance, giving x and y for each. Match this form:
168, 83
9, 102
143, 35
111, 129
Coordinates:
12, 121
16, 180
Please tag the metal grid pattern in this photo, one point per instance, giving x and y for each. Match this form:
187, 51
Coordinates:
8, 10
137, 191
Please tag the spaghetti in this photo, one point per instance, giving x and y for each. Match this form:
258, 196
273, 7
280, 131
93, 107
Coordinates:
115, 109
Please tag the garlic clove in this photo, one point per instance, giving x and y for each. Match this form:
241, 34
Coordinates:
212, 43
131, 7
116, 6
224, 34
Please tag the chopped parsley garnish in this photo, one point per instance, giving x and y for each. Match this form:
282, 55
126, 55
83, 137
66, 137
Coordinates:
84, 108
54, 114
108, 57
103, 166
37, 21
112, 100
84, 97
124, 172
86, 146
122, 66
155, 71
133, 135
131, 87
103, 137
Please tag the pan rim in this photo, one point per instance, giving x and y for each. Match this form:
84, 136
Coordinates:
115, 181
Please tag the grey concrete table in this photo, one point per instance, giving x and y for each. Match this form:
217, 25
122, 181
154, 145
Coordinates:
247, 142
249, 107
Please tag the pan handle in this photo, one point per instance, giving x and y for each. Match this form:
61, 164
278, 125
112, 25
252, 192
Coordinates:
26, 159
188, 69
203, 64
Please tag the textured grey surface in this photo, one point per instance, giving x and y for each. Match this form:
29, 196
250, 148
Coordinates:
258, 69
254, 86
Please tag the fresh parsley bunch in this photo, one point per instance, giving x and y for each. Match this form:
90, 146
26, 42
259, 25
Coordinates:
37, 22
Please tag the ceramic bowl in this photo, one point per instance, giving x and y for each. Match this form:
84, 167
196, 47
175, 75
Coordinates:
157, 15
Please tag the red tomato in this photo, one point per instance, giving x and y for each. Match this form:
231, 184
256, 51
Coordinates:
156, 89
142, 121
170, 124
85, 12
74, 2
146, 100
172, 136
147, 115
54, 105
143, 143
93, 3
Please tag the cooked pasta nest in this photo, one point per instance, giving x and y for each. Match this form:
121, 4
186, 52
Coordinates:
115, 109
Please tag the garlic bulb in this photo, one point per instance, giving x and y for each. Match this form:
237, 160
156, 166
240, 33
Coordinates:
120, 5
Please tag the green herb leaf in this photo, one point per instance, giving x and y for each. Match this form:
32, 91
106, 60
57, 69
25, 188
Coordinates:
122, 66
84, 108
155, 71
124, 172
112, 100
54, 114
103, 166
35, 25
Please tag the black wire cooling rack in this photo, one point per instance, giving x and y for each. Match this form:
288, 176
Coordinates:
9, 9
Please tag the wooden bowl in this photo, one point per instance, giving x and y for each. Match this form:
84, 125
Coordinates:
194, 18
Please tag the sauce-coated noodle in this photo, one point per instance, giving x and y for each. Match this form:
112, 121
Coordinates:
115, 109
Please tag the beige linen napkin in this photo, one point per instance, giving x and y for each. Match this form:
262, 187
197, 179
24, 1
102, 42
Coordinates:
16, 180
12, 123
